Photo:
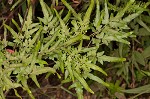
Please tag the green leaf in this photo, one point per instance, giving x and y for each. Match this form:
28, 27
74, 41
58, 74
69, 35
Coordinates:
35, 37
115, 87
34, 25
115, 35
16, 93
121, 25
73, 40
122, 12
85, 37
100, 53
71, 9
16, 24
139, 58
142, 89
139, 75
106, 17
62, 24
39, 70
44, 9
25, 87
82, 81
49, 10
78, 88
87, 15
62, 66
75, 25
110, 59
121, 49
143, 32
24, 8
10, 83
15, 35
2, 96
55, 45
69, 68
33, 77
88, 49
95, 78
67, 17
20, 19
30, 32
146, 72
37, 48
143, 24
146, 52
50, 41
15, 4
145, 18
96, 20
29, 16
67, 91
95, 67
41, 62
129, 18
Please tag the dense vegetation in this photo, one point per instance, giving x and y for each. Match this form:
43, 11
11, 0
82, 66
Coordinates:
86, 48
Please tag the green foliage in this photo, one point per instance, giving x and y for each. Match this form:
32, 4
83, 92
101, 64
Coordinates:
64, 44
136, 68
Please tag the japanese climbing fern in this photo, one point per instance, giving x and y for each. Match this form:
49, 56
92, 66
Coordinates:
65, 41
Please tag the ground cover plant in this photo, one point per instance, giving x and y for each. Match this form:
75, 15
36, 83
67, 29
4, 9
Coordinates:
83, 43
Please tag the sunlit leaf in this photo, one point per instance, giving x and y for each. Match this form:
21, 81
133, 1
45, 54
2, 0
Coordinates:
43, 70
95, 78
122, 12
34, 78
25, 86
97, 14
35, 37
16, 93
82, 81
110, 59
20, 19
106, 17
87, 15
67, 17
69, 68
44, 9
71, 9
16, 24
62, 23
15, 35
95, 67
